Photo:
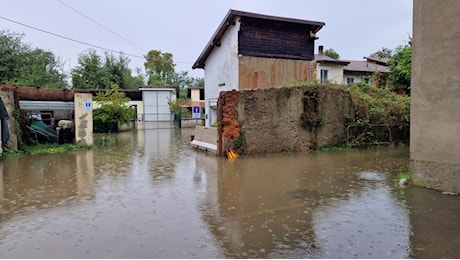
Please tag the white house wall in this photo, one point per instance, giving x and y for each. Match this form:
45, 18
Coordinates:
221, 70
335, 73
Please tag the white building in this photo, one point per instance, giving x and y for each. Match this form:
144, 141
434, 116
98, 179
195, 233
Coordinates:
250, 51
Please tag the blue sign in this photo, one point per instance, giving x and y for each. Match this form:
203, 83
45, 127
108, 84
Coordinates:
88, 106
196, 112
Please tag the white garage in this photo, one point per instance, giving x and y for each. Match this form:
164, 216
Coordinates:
155, 100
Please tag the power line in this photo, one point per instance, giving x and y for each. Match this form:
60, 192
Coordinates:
94, 21
70, 39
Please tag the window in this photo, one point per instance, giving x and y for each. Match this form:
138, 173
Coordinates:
366, 80
202, 94
323, 78
350, 80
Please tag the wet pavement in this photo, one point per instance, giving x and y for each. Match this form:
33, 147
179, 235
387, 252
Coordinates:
151, 196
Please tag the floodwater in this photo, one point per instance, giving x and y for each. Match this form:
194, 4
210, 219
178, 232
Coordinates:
151, 196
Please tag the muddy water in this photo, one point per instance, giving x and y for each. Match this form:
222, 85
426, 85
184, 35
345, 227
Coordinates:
151, 196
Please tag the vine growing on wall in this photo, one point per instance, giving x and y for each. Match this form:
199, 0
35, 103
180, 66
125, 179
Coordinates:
310, 116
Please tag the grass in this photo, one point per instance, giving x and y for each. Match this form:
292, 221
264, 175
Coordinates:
334, 148
405, 175
38, 149
51, 148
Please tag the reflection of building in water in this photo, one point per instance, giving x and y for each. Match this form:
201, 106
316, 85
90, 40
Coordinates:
276, 206
85, 173
42, 181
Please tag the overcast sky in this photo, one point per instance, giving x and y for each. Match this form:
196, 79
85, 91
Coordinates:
354, 28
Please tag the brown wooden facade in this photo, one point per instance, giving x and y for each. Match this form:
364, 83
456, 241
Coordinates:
275, 39
258, 72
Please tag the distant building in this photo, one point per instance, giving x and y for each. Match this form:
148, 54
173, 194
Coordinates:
329, 69
371, 70
250, 51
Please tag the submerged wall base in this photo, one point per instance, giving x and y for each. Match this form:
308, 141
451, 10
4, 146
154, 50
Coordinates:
436, 175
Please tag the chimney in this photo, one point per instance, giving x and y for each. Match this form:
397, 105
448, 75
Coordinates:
320, 49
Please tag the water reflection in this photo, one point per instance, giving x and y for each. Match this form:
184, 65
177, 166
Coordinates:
42, 181
151, 196
280, 206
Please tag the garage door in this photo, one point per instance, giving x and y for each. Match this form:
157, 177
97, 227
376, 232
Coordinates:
156, 106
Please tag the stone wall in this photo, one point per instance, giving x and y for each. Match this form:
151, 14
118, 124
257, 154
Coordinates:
295, 119
83, 119
7, 96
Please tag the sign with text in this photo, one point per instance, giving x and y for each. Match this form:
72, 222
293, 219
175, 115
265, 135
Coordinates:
196, 112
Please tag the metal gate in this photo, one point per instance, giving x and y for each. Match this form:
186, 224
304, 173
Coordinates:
156, 106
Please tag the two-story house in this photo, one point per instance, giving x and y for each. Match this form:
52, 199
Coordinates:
250, 51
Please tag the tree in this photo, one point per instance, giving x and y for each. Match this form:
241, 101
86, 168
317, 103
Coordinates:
159, 67
383, 53
89, 73
182, 79
97, 72
331, 53
24, 65
400, 68
114, 110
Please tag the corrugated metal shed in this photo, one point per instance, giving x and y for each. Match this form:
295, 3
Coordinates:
45, 105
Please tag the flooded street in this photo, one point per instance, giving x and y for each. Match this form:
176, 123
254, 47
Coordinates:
151, 196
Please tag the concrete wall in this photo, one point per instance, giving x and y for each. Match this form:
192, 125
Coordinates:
205, 138
7, 96
435, 95
271, 119
83, 119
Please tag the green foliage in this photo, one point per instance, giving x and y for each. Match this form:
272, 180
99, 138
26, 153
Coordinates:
331, 53
114, 110
238, 142
380, 105
105, 141
177, 106
383, 53
97, 72
159, 67
334, 148
377, 106
400, 67
50, 148
403, 176
23, 65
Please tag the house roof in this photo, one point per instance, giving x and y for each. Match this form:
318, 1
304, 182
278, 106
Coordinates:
381, 61
365, 66
194, 104
322, 58
229, 20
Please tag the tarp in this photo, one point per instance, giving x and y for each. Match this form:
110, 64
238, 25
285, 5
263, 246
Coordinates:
4, 123
3, 112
